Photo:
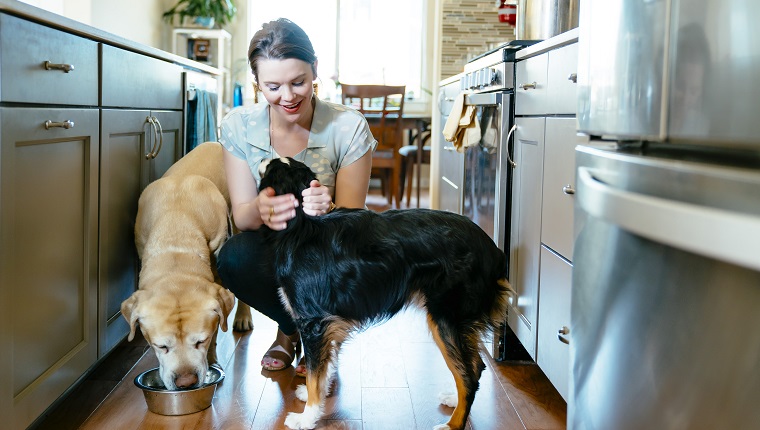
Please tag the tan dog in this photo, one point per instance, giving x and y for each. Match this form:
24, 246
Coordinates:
182, 220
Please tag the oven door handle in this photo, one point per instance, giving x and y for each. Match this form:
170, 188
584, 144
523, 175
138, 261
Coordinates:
484, 99
711, 232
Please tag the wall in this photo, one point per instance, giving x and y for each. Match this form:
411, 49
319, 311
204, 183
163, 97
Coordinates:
469, 28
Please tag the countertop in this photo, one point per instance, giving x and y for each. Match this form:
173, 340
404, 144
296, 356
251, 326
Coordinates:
68, 25
562, 39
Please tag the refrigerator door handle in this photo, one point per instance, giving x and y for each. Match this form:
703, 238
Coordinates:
714, 233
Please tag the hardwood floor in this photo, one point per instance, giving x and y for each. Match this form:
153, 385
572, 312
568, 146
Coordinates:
389, 377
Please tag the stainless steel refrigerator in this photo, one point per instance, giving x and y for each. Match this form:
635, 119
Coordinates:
666, 277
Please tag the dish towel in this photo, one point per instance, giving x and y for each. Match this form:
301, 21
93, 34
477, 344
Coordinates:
462, 128
205, 118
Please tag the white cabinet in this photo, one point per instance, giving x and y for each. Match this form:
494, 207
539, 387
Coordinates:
554, 320
542, 214
525, 240
451, 162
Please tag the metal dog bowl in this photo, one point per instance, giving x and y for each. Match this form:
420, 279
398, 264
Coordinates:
178, 402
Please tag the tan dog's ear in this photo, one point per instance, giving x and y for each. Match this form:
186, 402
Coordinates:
128, 310
226, 301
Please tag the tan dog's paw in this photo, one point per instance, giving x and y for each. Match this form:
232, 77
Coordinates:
243, 318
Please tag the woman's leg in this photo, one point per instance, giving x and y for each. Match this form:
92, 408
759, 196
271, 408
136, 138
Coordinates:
246, 269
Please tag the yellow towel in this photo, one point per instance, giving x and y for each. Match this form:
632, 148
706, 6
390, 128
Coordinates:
462, 128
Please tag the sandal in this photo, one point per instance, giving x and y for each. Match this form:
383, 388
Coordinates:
282, 352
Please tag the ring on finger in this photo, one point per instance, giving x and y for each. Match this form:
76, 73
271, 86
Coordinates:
271, 212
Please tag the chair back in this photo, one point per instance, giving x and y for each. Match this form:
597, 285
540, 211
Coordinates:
383, 106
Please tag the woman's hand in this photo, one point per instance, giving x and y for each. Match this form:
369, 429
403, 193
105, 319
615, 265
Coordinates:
276, 211
316, 199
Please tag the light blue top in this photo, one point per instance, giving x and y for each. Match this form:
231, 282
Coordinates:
339, 136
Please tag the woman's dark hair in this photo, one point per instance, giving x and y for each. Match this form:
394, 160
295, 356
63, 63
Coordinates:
279, 40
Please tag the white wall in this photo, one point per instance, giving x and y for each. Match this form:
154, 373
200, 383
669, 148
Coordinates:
137, 20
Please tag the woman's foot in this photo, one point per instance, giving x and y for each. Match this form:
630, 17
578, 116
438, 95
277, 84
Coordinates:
280, 355
301, 368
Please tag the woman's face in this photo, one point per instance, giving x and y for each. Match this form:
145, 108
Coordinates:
287, 87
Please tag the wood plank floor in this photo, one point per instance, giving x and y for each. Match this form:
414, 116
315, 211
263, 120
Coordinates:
389, 377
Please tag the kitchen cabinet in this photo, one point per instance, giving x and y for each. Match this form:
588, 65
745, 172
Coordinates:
451, 162
525, 240
48, 270
219, 54
74, 133
545, 105
127, 137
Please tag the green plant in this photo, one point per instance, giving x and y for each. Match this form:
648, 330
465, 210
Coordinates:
222, 11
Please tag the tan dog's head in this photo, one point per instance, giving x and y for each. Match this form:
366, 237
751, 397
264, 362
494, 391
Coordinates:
180, 322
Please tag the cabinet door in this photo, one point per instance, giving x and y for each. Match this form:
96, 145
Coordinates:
562, 77
525, 238
71, 75
48, 270
531, 86
452, 176
132, 80
553, 354
559, 186
126, 139
169, 147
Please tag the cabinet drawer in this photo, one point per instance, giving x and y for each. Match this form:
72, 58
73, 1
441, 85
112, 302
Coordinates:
552, 353
563, 66
558, 185
133, 80
531, 86
25, 47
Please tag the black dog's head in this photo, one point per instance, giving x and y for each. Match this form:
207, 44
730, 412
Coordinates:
286, 176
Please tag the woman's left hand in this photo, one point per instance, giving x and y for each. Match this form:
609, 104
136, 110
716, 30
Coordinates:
316, 199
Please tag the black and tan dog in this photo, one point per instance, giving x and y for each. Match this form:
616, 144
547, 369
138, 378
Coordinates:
353, 267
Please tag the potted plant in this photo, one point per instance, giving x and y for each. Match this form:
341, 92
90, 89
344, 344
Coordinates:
206, 13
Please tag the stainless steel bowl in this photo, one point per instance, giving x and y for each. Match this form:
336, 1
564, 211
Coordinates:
178, 402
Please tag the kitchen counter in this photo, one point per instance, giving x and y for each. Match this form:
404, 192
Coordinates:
562, 39
68, 25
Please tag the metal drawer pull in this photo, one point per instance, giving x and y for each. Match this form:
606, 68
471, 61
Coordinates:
564, 331
529, 86
568, 189
159, 136
64, 124
573, 77
52, 66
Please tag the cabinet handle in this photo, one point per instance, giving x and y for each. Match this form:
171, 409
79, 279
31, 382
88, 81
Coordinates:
63, 124
449, 148
564, 331
573, 77
53, 66
529, 86
509, 159
150, 154
568, 189
159, 136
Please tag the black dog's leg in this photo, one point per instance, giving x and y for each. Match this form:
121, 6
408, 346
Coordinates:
460, 349
321, 349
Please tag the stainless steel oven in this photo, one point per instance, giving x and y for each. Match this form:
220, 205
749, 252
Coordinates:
488, 83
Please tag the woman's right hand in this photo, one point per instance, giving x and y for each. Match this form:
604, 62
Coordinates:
275, 210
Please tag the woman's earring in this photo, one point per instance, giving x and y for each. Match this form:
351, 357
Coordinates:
255, 93
316, 89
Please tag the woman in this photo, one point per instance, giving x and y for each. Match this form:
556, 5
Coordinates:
333, 140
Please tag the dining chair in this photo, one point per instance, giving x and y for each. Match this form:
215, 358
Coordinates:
383, 106
409, 160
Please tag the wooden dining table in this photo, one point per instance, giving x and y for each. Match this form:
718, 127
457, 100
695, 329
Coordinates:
414, 124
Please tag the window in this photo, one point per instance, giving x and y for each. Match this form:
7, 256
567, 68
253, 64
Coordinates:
358, 41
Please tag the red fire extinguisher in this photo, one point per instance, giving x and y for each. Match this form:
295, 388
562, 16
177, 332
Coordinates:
508, 11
